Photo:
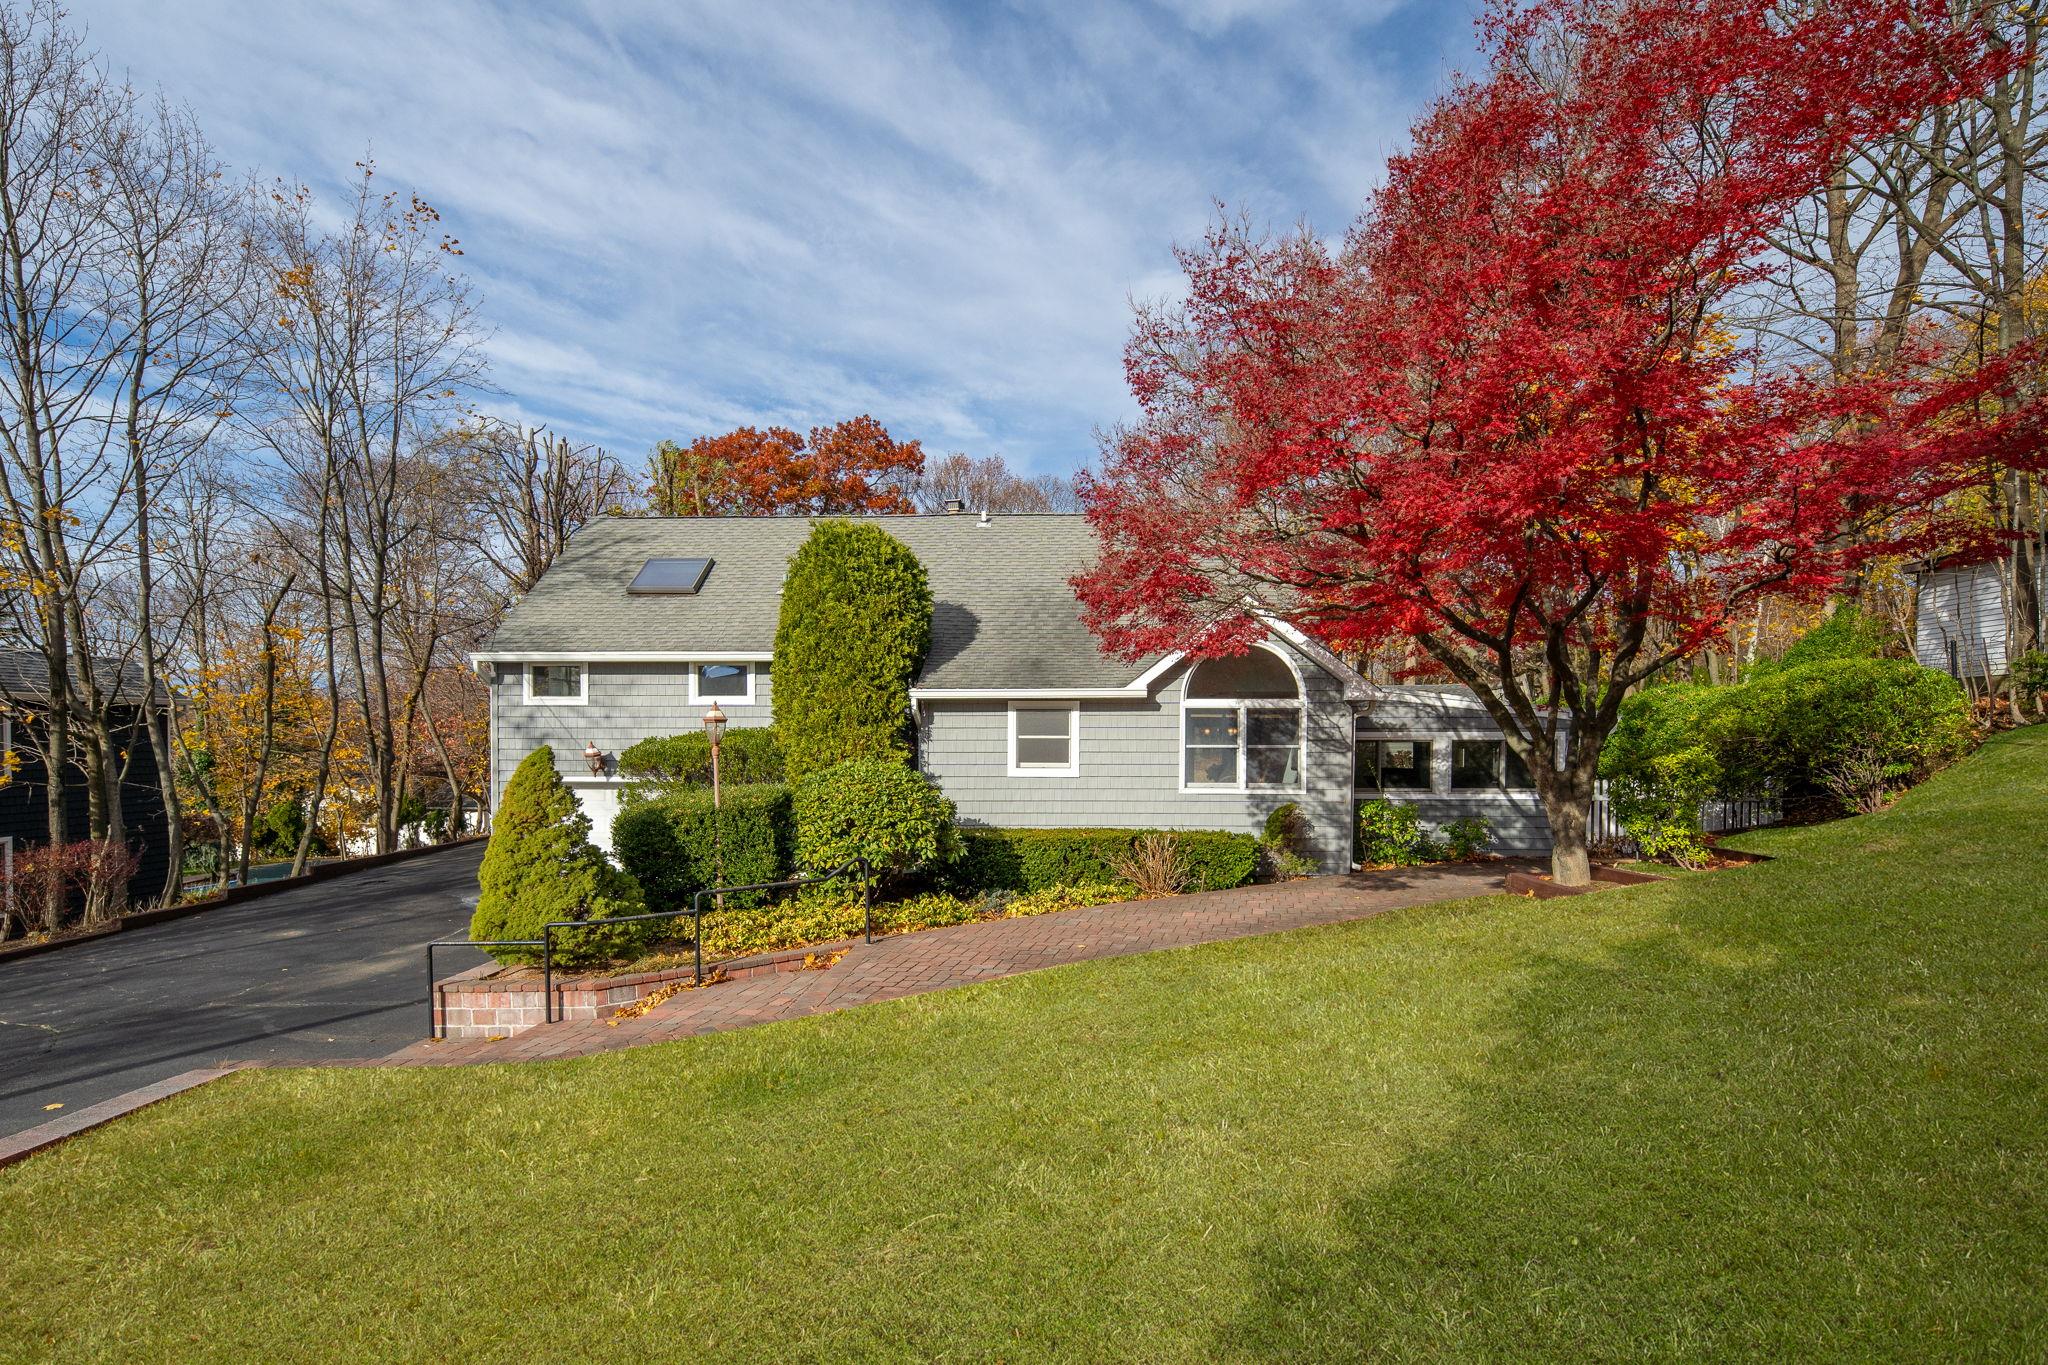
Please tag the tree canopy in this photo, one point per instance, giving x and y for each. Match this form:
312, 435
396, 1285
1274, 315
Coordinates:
1506, 417
849, 466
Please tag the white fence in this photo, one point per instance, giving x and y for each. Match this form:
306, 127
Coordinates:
1716, 817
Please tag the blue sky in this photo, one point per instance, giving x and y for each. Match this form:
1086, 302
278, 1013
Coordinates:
686, 217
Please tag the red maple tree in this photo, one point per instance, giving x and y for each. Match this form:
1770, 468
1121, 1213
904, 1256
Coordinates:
849, 466
1504, 419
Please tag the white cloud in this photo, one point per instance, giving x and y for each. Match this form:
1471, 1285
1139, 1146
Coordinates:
684, 217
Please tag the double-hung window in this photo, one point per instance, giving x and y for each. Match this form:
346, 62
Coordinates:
1395, 764
1242, 726
1045, 741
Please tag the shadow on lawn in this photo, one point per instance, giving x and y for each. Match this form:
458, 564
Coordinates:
1768, 1124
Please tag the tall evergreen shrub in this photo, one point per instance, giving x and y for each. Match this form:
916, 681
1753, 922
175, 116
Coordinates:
541, 866
856, 623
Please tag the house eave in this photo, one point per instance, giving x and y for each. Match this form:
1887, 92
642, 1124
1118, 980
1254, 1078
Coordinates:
1125, 693
620, 656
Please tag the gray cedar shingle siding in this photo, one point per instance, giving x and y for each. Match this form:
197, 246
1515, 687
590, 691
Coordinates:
1130, 764
1441, 715
627, 702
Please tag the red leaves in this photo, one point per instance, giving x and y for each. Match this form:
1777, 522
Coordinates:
1506, 415
850, 466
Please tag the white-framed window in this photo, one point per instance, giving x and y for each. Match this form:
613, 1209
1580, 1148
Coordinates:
733, 682
1385, 763
1484, 765
557, 684
1242, 725
1045, 739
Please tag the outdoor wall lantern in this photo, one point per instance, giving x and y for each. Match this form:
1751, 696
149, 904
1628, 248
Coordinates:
594, 756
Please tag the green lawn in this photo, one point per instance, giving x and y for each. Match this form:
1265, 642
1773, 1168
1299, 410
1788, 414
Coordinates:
1792, 1110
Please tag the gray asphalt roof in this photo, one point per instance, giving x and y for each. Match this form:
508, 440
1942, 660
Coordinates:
1003, 617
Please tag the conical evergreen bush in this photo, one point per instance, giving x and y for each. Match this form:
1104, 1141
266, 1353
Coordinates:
541, 866
856, 623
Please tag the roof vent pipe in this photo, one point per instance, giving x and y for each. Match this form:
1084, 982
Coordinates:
984, 518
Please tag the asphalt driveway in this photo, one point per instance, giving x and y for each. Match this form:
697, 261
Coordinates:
316, 973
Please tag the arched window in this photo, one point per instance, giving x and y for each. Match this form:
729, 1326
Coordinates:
1242, 724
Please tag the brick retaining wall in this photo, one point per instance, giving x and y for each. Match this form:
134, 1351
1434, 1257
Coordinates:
490, 1001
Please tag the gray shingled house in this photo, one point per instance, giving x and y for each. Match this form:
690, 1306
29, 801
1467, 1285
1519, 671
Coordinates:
1021, 717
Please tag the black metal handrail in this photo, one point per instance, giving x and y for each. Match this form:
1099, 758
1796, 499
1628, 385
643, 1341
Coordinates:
867, 902
546, 941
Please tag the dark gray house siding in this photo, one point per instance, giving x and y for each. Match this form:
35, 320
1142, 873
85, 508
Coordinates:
25, 797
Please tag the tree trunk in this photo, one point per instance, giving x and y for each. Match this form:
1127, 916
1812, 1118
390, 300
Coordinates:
1568, 804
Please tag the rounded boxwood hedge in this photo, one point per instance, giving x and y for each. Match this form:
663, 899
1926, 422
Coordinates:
877, 809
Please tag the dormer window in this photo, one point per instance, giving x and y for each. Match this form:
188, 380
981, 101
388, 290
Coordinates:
670, 577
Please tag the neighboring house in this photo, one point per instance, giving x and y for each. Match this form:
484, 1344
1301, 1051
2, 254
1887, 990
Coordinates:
1021, 717
1960, 617
24, 799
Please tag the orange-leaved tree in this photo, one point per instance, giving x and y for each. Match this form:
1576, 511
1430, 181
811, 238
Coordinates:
849, 466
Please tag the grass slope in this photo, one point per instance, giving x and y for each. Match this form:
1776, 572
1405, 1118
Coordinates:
1792, 1110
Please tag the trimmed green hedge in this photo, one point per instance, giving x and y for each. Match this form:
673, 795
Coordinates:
745, 756
877, 809
1794, 725
1039, 859
1787, 731
666, 841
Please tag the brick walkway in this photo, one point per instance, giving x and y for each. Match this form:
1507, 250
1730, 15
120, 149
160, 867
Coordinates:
935, 959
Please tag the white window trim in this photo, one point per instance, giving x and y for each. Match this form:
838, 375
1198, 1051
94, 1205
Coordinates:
1406, 793
747, 700
1498, 789
1072, 768
1299, 703
581, 698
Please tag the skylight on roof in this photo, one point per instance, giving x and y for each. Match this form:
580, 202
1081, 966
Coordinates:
672, 577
